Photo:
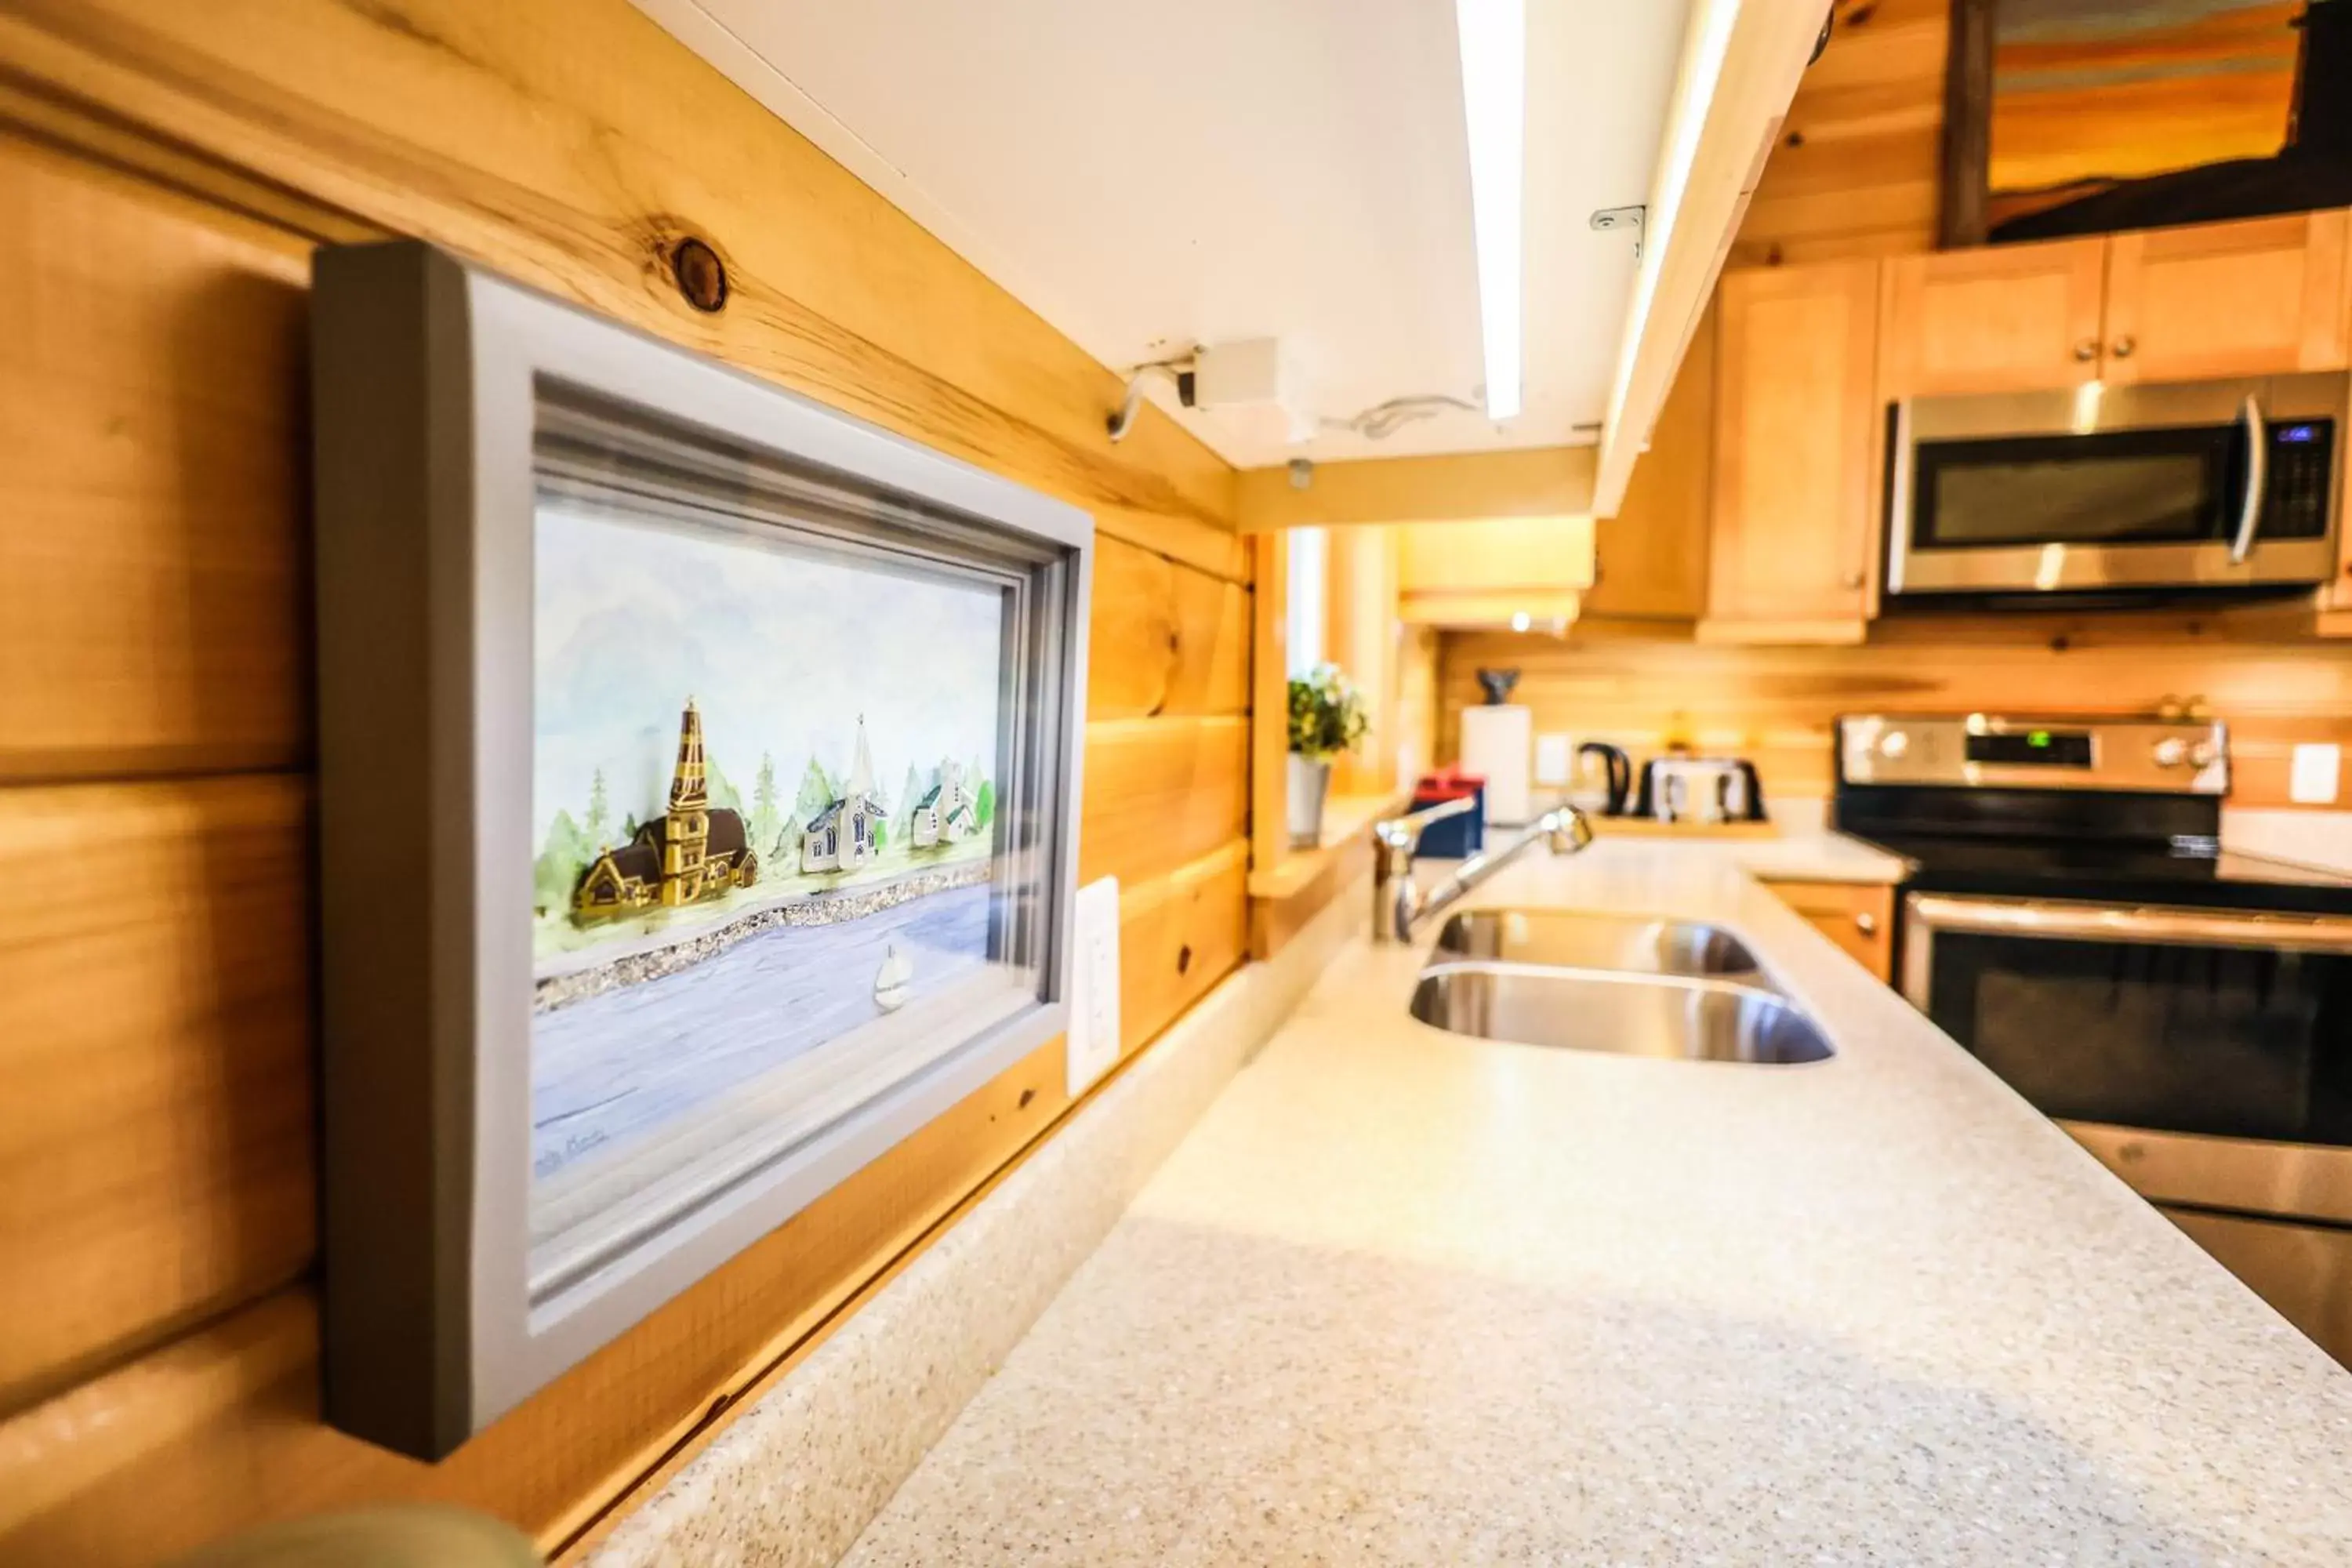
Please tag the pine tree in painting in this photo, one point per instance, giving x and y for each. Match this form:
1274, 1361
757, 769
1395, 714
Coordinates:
817, 792
599, 817
902, 826
766, 821
720, 789
566, 853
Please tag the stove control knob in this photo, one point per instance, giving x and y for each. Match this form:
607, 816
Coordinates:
2171, 751
1893, 744
2203, 754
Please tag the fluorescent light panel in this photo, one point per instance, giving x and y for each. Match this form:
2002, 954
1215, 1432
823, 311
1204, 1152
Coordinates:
1705, 46
1494, 107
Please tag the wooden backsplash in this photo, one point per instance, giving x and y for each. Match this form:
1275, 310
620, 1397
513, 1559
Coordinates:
1776, 705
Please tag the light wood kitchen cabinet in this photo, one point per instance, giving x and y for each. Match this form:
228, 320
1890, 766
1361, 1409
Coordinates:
1650, 560
2257, 297
1485, 572
2262, 297
1796, 442
1857, 916
2006, 318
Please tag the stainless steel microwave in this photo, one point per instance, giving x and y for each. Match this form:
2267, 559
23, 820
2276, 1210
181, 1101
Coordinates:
2204, 485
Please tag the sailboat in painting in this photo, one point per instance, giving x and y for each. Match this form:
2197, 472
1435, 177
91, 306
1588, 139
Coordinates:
895, 981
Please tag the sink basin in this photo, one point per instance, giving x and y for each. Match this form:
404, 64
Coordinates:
1567, 939
1626, 1015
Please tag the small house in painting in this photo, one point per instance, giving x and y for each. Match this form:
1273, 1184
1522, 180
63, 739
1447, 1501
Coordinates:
847, 834
946, 813
691, 852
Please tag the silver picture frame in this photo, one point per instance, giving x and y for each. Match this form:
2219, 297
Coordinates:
443, 397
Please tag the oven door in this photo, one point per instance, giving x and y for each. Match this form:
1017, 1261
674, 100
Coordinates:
2228, 484
2221, 1040
2203, 1056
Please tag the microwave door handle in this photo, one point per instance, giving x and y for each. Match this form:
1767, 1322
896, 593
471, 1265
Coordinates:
2249, 511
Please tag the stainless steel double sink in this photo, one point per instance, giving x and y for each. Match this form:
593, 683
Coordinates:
1629, 985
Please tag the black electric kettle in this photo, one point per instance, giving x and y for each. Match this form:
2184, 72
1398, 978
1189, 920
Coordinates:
1620, 771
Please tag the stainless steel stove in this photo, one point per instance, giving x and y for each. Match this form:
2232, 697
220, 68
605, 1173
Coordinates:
2185, 1011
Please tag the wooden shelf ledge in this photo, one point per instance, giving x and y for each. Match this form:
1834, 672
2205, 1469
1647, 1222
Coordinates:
1347, 822
1302, 883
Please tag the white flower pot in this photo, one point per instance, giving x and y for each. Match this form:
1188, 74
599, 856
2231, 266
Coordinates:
1309, 781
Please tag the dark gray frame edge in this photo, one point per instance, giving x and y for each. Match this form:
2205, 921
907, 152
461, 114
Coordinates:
1964, 193
392, 450
462, 417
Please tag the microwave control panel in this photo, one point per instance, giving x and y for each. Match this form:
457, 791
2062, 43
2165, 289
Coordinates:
2299, 474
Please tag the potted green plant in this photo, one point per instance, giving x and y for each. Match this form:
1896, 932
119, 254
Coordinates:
1326, 718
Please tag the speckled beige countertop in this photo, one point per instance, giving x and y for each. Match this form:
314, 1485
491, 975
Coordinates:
1402, 1296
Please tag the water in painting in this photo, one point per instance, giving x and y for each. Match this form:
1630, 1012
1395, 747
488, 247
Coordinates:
764, 813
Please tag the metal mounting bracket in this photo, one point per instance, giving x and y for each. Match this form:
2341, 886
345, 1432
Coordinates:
1624, 217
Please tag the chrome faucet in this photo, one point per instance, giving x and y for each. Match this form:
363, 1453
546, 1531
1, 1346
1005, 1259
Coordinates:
1398, 905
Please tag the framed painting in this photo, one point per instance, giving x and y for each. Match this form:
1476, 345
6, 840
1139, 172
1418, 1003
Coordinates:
2071, 117
699, 773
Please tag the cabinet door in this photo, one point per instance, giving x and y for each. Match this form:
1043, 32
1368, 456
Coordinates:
1484, 573
2260, 298
1797, 441
2006, 318
1857, 916
1650, 560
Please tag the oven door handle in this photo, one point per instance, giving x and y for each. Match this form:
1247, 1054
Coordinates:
2249, 509
2116, 922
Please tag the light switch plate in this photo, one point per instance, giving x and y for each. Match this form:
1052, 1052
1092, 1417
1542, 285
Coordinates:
1093, 1039
2311, 780
1554, 760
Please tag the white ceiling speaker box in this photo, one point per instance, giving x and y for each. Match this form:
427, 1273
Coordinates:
1255, 383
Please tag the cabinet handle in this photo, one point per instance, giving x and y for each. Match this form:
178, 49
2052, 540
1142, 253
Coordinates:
2087, 350
1851, 580
2122, 347
1866, 923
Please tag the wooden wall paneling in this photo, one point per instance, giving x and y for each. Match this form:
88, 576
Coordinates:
1161, 793
1777, 705
2227, 299
1211, 547
2006, 318
155, 1157
151, 439
1856, 171
1166, 638
471, 126
1179, 935
1650, 560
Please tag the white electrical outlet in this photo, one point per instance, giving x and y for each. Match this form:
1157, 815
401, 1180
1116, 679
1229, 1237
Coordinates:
2312, 780
1093, 1038
1554, 760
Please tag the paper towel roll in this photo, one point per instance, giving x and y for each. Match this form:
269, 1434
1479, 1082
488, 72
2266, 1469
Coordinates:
1497, 742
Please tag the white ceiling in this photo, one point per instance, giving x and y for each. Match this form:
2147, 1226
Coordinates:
1149, 177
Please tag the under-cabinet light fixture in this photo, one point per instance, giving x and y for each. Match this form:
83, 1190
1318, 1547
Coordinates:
1493, 35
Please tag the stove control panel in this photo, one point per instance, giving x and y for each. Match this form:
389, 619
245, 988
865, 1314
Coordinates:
1989, 750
